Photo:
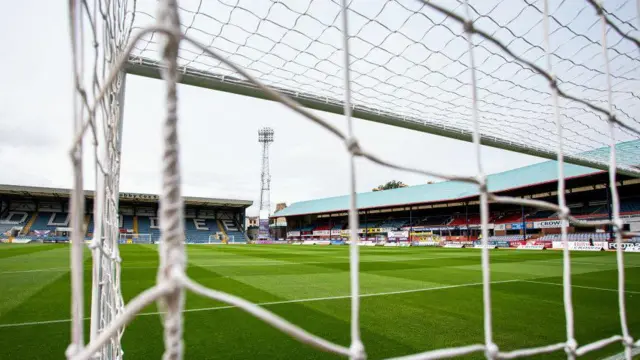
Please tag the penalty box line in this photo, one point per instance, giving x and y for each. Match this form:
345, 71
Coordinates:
579, 286
293, 301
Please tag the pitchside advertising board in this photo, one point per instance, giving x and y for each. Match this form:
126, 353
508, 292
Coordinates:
625, 245
480, 246
504, 244
530, 247
455, 246
550, 224
582, 245
316, 242
425, 243
398, 235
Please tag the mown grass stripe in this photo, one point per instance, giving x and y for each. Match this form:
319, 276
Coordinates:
268, 303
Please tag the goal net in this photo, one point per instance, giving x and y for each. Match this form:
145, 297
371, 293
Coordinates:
553, 79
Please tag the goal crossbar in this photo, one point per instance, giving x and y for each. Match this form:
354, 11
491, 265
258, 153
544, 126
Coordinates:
192, 76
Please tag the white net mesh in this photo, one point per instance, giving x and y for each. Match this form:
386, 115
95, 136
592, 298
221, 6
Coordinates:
100, 31
409, 64
484, 72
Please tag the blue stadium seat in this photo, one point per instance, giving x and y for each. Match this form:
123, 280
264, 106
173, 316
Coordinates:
14, 222
234, 231
127, 222
195, 236
144, 227
42, 221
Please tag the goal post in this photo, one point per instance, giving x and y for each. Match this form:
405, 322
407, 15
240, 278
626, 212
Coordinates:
480, 82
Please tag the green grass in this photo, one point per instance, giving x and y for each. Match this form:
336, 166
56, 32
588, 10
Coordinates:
445, 312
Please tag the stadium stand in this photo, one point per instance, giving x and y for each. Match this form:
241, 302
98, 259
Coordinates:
438, 220
322, 227
192, 233
144, 227
589, 210
630, 206
19, 219
200, 236
49, 221
368, 225
542, 214
127, 222
337, 226
462, 220
393, 223
234, 233
4, 229
43, 220
627, 207
508, 218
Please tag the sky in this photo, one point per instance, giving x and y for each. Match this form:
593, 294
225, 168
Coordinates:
220, 155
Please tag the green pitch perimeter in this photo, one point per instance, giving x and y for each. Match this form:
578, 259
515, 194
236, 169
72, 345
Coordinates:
416, 299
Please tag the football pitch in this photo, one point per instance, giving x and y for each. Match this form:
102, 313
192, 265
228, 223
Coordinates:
414, 299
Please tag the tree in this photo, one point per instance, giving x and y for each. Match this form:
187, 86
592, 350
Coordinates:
393, 184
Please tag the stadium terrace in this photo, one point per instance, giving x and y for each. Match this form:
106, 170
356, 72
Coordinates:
38, 214
447, 213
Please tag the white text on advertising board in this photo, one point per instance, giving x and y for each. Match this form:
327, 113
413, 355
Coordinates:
549, 224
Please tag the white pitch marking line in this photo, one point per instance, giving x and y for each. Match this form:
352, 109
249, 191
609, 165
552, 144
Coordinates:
559, 262
580, 286
621, 356
338, 297
34, 270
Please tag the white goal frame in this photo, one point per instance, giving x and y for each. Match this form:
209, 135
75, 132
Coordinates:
98, 108
135, 238
217, 239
